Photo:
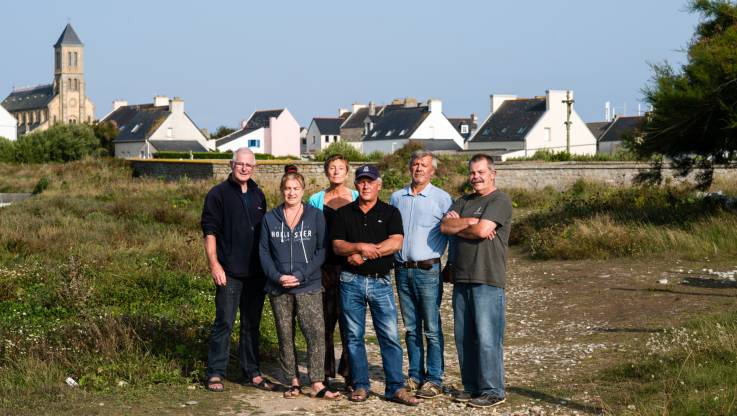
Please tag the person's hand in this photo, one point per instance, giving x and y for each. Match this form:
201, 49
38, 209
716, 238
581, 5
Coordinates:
369, 251
355, 259
452, 214
218, 274
288, 281
472, 221
492, 234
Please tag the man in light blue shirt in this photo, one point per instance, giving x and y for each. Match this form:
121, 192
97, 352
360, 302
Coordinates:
417, 266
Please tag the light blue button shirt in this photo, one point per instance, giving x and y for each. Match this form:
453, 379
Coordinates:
421, 217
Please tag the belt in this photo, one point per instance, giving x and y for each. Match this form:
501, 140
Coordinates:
421, 264
372, 275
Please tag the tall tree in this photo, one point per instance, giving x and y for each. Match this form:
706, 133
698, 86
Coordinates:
694, 117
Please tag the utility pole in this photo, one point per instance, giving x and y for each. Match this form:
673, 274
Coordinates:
569, 106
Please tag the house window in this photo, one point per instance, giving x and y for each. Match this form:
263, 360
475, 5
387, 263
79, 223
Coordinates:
254, 143
548, 136
389, 133
401, 133
304, 141
135, 128
327, 139
313, 139
376, 133
335, 139
521, 130
170, 132
464, 128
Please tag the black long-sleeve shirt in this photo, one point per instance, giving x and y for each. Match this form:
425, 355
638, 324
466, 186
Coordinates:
234, 218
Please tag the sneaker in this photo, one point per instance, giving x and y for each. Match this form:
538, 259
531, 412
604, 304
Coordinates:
429, 390
486, 400
461, 396
411, 384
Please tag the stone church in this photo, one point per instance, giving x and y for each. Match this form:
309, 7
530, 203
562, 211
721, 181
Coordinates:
64, 100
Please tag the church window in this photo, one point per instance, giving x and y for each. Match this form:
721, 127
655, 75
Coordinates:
76, 84
69, 59
75, 55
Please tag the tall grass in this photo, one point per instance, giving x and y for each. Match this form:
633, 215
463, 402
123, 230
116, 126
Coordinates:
594, 221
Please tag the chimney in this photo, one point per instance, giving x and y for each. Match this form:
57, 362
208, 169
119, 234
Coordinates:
176, 106
498, 99
357, 106
161, 101
372, 108
410, 102
244, 123
342, 111
435, 105
119, 103
556, 97
474, 120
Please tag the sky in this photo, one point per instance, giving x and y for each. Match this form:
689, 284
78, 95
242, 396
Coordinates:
229, 58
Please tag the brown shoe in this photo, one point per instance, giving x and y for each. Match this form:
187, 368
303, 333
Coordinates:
359, 395
403, 396
429, 390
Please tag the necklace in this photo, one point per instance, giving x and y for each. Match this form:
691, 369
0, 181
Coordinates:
291, 223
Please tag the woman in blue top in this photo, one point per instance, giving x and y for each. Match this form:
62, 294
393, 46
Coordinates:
329, 200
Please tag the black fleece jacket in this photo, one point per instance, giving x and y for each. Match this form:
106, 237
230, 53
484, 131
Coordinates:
234, 218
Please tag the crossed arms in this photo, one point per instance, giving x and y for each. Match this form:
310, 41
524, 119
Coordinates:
469, 228
358, 253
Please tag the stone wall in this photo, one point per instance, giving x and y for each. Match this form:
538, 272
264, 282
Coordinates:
535, 175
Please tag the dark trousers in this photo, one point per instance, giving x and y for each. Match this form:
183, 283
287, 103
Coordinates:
331, 312
246, 295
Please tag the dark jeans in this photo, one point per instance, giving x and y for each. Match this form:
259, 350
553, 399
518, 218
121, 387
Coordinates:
246, 294
478, 311
331, 311
357, 292
420, 292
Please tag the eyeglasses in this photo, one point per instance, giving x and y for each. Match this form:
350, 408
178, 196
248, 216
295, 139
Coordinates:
242, 165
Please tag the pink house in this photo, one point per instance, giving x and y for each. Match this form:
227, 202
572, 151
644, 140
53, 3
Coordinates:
273, 132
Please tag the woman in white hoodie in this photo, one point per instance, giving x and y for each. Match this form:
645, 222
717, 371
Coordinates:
292, 249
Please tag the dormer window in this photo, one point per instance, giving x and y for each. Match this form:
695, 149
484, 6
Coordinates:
464, 128
135, 128
389, 133
376, 133
401, 133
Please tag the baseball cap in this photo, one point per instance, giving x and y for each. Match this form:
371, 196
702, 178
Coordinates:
367, 171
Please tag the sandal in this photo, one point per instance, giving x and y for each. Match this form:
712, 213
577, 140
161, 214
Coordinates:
213, 383
293, 392
359, 395
403, 396
265, 384
322, 395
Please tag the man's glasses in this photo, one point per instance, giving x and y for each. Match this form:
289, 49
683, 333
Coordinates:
241, 165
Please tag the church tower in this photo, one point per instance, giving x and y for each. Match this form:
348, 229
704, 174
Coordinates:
69, 83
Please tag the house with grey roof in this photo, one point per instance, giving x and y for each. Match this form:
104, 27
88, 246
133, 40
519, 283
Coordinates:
322, 132
399, 123
145, 129
64, 100
465, 126
611, 134
274, 132
519, 127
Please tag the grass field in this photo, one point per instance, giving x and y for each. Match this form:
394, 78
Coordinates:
103, 277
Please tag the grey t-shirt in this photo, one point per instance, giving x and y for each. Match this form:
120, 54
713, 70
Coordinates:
484, 261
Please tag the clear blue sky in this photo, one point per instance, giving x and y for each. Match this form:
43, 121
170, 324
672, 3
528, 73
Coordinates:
226, 59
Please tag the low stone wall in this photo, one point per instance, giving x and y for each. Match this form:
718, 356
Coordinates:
535, 175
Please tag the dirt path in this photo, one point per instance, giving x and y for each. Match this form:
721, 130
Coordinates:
565, 320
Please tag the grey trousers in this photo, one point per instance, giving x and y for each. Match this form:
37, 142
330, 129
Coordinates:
307, 308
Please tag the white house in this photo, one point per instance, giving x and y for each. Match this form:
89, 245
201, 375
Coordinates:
322, 132
273, 132
8, 125
163, 125
398, 124
519, 127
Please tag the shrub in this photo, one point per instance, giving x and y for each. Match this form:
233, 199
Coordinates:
60, 143
346, 149
7, 150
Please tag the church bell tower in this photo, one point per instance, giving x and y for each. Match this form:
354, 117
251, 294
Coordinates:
69, 83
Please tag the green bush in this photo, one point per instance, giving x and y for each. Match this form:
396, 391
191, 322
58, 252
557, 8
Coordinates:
346, 149
546, 155
7, 150
60, 143
213, 155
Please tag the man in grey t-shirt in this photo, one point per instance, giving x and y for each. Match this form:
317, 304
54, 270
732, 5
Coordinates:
480, 222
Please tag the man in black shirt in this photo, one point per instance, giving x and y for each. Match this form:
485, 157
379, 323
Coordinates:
367, 233
231, 221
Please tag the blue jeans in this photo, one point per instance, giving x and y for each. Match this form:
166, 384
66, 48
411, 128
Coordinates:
246, 294
356, 292
420, 292
478, 311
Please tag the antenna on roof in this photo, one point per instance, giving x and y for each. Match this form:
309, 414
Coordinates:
607, 111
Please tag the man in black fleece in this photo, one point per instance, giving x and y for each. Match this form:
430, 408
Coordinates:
231, 222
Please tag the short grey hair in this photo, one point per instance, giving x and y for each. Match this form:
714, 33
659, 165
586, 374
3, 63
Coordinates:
419, 154
482, 156
242, 150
